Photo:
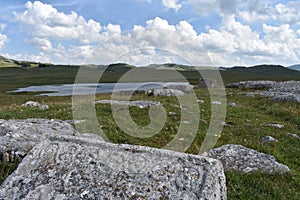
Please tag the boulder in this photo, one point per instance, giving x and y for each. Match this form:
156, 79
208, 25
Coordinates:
35, 104
69, 167
31, 104
243, 159
165, 92
18, 137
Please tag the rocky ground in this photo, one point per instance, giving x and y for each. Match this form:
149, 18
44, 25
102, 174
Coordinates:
278, 91
58, 162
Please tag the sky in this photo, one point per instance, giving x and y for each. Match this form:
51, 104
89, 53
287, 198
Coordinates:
142, 32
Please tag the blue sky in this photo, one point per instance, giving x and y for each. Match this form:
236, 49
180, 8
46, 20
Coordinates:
198, 32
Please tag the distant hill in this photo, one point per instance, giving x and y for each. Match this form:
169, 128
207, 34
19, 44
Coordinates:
260, 72
295, 67
5, 62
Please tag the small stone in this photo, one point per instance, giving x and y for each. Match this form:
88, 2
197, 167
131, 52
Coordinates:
216, 103
43, 107
31, 104
276, 125
200, 101
268, 139
232, 104
293, 135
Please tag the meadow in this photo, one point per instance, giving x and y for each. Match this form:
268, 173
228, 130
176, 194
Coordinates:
245, 125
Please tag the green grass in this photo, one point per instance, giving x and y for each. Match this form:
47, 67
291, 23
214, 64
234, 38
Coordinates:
246, 124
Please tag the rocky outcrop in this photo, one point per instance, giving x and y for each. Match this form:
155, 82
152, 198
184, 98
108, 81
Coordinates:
139, 103
72, 167
243, 159
278, 91
18, 137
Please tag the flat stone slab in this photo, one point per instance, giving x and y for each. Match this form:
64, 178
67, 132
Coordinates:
71, 167
243, 159
18, 137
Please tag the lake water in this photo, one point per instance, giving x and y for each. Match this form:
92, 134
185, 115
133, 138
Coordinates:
86, 88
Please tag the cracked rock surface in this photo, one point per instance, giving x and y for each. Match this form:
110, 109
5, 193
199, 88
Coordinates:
243, 159
72, 167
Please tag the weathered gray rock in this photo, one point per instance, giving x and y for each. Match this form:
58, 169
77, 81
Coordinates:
31, 104
43, 107
166, 92
268, 139
139, 103
216, 103
293, 135
276, 125
243, 159
80, 168
35, 104
232, 104
279, 91
18, 137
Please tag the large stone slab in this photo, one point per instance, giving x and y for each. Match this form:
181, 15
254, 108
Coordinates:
243, 159
82, 168
18, 137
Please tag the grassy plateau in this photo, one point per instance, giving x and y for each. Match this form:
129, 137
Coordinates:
245, 125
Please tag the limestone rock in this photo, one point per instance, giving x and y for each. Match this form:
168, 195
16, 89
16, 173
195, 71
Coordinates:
166, 92
243, 159
293, 135
232, 104
35, 104
278, 91
31, 104
276, 125
139, 103
18, 137
72, 168
268, 139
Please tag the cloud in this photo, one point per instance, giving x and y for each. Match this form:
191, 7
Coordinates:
43, 44
172, 4
233, 43
3, 38
43, 20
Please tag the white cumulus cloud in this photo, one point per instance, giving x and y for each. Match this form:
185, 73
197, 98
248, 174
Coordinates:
172, 4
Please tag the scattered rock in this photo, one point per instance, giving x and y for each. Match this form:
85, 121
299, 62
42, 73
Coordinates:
279, 91
43, 107
268, 139
276, 125
18, 137
293, 135
216, 103
70, 167
232, 104
200, 101
172, 113
166, 92
243, 159
31, 104
139, 103
35, 104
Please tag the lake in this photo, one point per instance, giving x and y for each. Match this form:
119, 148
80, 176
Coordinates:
94, 88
